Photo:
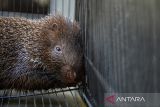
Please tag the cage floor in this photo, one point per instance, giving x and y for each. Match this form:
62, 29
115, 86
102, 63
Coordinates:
64, 97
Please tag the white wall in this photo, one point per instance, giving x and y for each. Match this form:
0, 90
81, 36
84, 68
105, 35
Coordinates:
64, 7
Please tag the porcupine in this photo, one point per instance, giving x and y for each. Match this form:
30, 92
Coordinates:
40, 53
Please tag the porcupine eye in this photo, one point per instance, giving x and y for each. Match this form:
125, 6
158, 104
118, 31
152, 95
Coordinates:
58, 50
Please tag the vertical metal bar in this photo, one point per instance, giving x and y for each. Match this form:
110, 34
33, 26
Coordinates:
1, 6
20, 8
49, 98
62, 7
69, 8
14, 8
4, 94
10, 94
35, 105
2, 9
43, 10
26, 98
64, 97
77, 95
52, 7
32, 9
55, 6
42, 98
19, 98
27, 9
38, 9
56, 96
49, 8
7, 7
74, 98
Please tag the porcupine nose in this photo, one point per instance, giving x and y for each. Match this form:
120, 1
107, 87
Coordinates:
68, 74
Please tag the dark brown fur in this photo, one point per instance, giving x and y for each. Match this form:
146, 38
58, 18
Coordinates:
29, 59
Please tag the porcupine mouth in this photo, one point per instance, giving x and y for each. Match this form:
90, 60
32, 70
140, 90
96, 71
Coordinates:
68, 74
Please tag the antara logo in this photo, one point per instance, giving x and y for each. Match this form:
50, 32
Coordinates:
113, 99
130, 99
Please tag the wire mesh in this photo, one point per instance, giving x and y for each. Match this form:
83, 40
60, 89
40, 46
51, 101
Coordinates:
64, 97
121, 46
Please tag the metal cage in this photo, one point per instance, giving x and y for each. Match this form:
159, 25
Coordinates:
59, 97
122, 52
68, 97
121, 39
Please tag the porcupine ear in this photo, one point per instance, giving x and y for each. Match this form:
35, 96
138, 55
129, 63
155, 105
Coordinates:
51, 30
53, 27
